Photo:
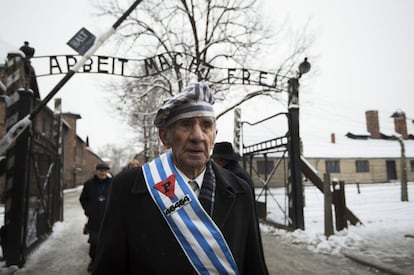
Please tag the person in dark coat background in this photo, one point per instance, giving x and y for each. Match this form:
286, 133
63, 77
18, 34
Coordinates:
93, 201
181, 213
225, 156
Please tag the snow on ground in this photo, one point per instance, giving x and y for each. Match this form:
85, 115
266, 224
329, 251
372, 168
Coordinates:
387, 227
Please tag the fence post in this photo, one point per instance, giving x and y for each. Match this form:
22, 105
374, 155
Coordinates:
358, 188
16, 188
296, 185
340, 205
328, 205
58, 130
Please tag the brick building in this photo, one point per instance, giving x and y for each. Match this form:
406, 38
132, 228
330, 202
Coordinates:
79, 160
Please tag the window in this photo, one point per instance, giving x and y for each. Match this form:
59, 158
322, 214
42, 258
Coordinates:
263, 167
362, 166
332, 166
412, 165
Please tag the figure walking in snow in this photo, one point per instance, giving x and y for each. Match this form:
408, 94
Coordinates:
93, 201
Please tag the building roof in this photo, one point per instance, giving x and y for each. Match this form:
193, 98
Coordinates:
345, 147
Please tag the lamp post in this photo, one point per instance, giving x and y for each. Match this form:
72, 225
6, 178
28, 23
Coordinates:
295, 192
400, 127
404, 191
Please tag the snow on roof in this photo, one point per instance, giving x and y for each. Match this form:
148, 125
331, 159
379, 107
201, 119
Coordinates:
345, 147
5, 48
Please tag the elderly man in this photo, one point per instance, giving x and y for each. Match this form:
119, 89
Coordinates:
181, 213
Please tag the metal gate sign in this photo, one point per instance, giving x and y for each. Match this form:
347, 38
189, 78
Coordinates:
62, 64
82, 41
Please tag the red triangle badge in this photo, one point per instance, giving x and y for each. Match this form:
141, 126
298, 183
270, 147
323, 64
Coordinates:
167, 186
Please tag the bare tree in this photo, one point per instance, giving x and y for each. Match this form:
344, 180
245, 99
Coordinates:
136, 101
205, 33
118, 155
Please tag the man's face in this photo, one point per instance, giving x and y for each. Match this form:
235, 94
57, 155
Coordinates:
101, 173
191, 141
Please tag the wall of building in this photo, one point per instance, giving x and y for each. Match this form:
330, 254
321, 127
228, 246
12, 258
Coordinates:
2, 133
79, 160
377, 171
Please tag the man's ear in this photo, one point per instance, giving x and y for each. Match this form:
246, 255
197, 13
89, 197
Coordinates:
162, 133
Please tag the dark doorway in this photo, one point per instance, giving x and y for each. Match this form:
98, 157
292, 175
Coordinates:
391, 171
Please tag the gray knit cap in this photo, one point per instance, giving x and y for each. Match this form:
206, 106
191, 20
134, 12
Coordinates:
195, 100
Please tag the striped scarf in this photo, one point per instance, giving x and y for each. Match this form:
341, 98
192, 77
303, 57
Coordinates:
206, 196
197, 234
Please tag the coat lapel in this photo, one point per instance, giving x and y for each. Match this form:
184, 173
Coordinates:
225, 197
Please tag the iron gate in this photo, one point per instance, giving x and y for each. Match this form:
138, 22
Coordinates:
33, 194
265, 171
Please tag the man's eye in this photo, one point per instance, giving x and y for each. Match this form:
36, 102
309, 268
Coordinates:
186, 124
207, 124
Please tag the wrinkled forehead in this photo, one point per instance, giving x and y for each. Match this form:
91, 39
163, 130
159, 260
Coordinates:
197, 119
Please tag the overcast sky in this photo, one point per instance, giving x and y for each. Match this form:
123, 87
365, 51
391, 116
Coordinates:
361, 59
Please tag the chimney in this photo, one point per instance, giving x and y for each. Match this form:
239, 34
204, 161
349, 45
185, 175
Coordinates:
333, 139
373, 123
58, 105
400, 124
71, 119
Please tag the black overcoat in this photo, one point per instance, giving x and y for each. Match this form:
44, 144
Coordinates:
94, 208
135, 238
239, 171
